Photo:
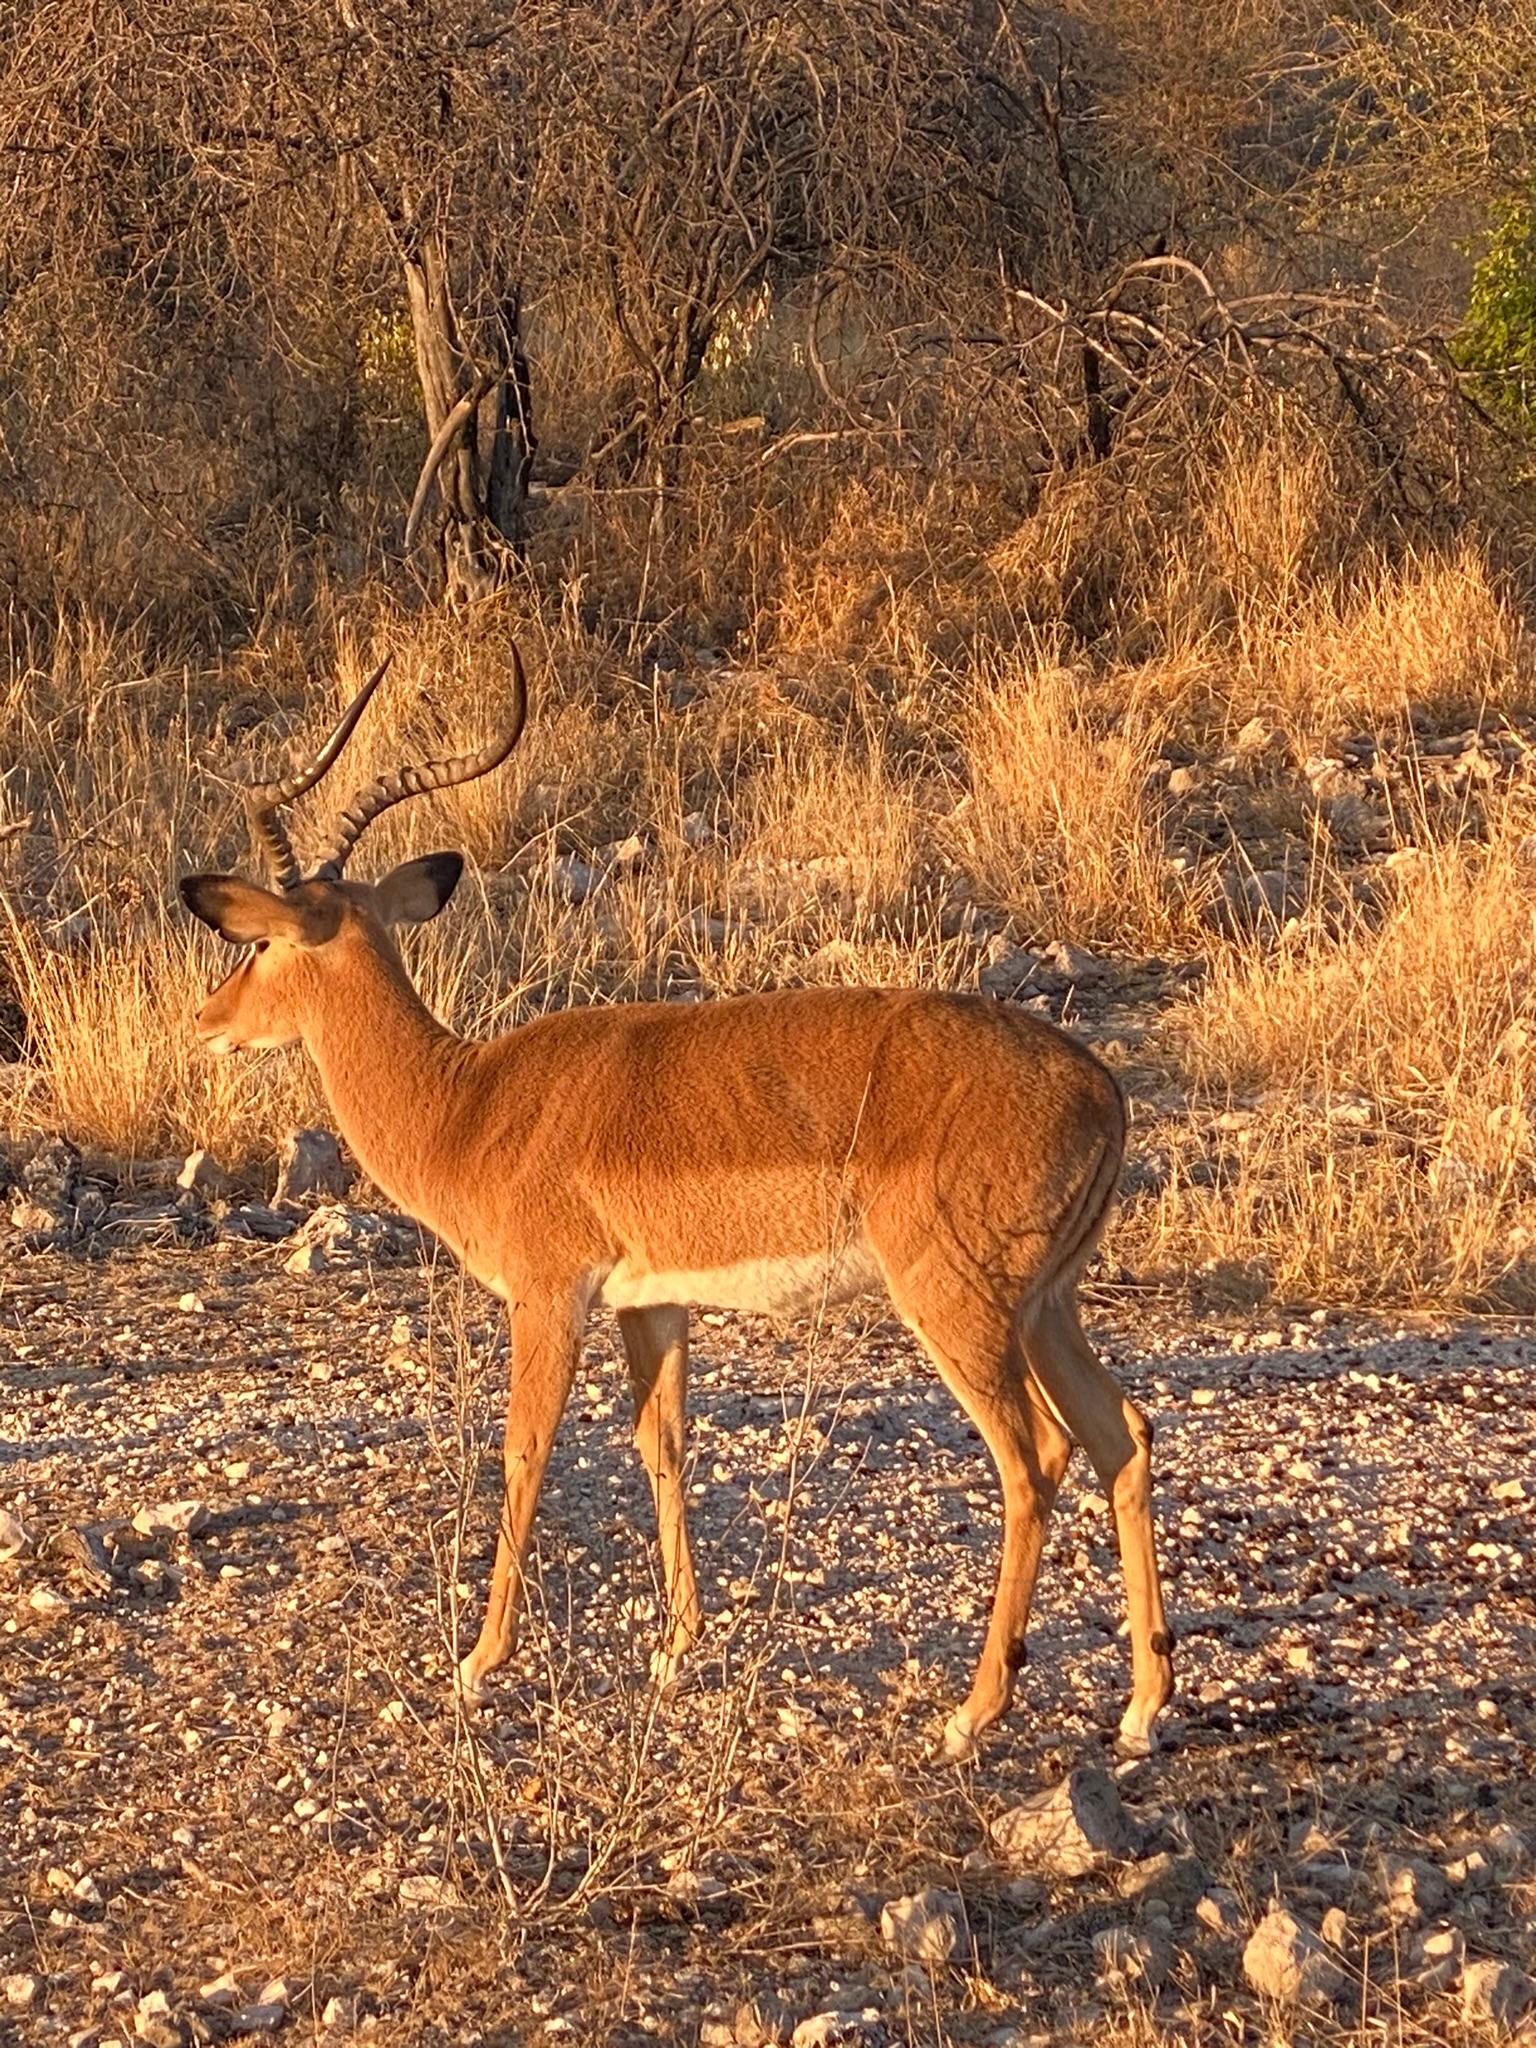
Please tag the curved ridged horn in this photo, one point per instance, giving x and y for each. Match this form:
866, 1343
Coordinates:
264, 799
389, 790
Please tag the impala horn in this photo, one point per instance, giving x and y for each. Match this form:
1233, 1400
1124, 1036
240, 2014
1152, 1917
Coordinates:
389, 790
263, 800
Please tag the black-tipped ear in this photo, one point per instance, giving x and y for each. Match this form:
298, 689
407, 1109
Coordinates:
241, 913
418, 890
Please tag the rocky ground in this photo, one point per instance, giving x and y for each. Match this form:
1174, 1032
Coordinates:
242, 1526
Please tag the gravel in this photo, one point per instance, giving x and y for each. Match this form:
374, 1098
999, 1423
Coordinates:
231, 1732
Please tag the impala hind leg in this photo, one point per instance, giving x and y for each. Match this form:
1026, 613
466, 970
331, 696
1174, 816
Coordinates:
973, 1343
545, 1344
656, 1347
1118, 1440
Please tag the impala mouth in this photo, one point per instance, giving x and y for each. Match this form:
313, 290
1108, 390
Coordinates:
218, 1042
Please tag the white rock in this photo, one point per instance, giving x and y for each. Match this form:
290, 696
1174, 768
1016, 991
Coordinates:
14, 1537
220, 1992
172, 1518
202, 1173
309, 1258
425, 1889
1510, 1850
1495, 1991
1436, 1960
860, 2029
1135, 1955
22, 1990
1077, 1826
1284, 1959
1415, 1889
47, 1600
340, 2014
1220, 1910
924, 1927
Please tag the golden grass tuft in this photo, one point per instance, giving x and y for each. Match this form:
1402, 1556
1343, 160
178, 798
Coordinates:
1383, 1067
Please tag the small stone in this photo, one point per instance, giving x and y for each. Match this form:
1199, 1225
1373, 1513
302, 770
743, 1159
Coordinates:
923, 1928
1135, 1955
172, 1518
424, 1889
1073, 962
861, 2029
1510, 1850
264, 2017
340, 2014
311, 1164
1472, 1872
47, 1600
38, 1225
1077, 1826
192, 1305
309, 1258
1335, 1927
1438, 1956
1416, 1891
220, 1992
1256, 737
22, 1990
1174, 1882
14, 1536
202, 1174
1285, 1960
1495, 1991
1220, 1910
155, 2024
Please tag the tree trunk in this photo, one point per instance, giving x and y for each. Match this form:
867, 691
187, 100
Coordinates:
481, 471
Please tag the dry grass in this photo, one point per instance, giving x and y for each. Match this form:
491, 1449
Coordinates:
1058, 825
1384, 1065
947, 731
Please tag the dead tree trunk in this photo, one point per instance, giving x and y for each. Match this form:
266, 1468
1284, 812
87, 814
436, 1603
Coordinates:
479, 427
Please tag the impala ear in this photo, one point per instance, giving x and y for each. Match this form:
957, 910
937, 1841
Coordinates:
242, 913
418, 890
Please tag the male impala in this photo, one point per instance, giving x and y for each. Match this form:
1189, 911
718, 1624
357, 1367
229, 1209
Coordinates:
768, 1152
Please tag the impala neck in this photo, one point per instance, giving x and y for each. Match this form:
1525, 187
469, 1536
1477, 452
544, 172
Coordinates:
389, 1071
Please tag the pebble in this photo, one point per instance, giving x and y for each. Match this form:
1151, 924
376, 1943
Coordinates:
14, 1535
1135, 1955
172, 1518
861, 2029
310, 1163
1284, 1959
1496, 1992
1220, 1910
1077, 1826
924, 1928
22, 1990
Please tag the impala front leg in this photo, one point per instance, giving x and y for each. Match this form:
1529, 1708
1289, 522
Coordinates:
545, 1346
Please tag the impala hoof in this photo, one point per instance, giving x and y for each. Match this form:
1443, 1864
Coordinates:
469, 1685
667, 1667
1136, 1739
959, 1740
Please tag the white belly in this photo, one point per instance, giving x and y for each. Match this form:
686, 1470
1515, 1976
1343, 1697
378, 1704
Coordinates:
780, 1287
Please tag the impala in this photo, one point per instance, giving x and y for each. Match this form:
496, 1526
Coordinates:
770, 1152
